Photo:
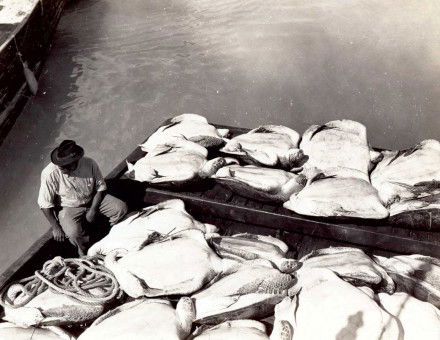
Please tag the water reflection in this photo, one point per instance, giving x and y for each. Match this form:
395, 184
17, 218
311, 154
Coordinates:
252, 62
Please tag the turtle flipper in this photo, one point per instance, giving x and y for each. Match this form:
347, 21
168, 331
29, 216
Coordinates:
265, 238
129, 283
387, 284
256, 184
181, 288
207, 141
181, 177
262, 157
189, 116
278, 284
153, 237
117, 310
175, 203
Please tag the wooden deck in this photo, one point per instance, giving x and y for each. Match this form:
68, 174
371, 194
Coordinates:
215, 201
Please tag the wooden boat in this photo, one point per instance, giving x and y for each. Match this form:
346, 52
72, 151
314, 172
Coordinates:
212, 203
31, 37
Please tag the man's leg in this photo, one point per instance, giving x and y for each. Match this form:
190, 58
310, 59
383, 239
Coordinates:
113, 208
71, 220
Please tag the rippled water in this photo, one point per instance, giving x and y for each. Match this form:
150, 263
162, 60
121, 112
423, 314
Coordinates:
117, 69
253, 62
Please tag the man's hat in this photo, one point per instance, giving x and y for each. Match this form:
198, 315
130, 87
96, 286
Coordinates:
67, 152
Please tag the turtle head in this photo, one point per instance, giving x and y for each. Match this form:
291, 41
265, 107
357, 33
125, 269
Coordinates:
294, 185
232, 146
284, 315
287, 265
16, 294
223, 132
24, 316
211, 167
296, 158
210, 228
186, 314
282, 330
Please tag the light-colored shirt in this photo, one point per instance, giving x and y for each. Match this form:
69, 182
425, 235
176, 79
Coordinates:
74, 189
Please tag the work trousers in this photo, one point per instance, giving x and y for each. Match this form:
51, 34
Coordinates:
72, 220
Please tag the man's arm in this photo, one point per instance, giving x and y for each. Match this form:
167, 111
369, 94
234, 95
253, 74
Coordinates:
93, 210
57, 231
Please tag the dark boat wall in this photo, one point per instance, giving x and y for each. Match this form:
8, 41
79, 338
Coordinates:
31, 38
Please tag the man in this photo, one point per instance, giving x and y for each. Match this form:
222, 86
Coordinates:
72, 192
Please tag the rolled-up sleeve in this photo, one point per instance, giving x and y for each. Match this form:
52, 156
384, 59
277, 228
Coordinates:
46, 195
99, 179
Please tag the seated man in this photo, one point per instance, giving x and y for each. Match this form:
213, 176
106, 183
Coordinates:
81, 189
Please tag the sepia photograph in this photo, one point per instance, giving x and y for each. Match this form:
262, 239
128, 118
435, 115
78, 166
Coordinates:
214, 170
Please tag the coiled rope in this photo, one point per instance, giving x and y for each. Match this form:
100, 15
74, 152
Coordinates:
83, 279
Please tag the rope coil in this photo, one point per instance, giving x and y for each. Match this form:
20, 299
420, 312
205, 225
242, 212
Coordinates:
85, 280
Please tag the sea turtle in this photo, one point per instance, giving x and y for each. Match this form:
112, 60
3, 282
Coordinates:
350, 264
144, 319
189, 125
242, 247
408, 174
417, 275
268, 145
50, 308
264, 184
338, 148
408, 182
10, 331
251, 291
182, 264
238, 330
406, 309
327, 307
166, 217
338, 197
177, 162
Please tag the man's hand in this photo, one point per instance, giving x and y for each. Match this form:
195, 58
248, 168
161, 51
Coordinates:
58, 234
90, 215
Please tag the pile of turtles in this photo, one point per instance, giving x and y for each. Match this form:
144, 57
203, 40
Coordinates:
174, 277
329, 171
